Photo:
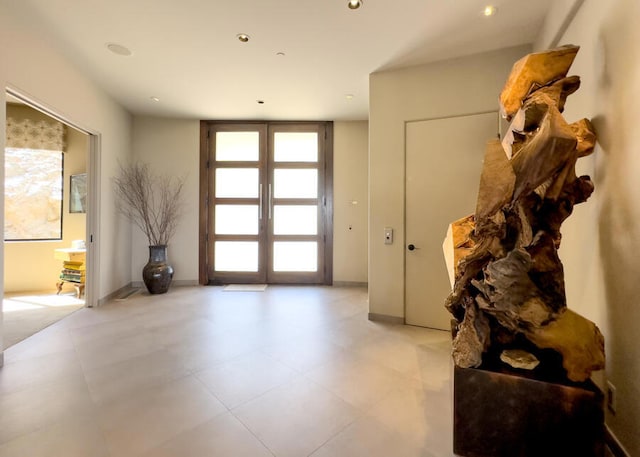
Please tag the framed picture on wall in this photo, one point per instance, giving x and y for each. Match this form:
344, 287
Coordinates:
78, 193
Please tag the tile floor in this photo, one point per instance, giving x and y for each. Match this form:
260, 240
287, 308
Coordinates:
291, 371
24, 314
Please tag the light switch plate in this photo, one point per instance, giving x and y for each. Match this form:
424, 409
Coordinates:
388, 235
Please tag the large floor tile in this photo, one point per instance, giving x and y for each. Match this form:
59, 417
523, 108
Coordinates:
123, 327
77, 436
222, 436
399, 354
177, 328
25, 373
355, 331
48, 342
143, 420
356, 380
207, 350
112, 382
304, 354
87, 317
295, 419
368, 438
108, 350
244, 378
27, 410
422, 416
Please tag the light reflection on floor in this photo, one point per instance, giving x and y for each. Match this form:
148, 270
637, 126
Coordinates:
25, 314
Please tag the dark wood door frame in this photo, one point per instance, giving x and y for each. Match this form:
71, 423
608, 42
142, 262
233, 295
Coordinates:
206, 126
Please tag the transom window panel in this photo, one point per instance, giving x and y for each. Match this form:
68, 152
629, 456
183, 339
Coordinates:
237, 182
295, 147
295, 183
238, 146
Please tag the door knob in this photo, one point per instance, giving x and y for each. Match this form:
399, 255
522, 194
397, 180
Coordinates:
411, 247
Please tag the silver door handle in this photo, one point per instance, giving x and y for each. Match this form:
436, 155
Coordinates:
260, 204
270, 201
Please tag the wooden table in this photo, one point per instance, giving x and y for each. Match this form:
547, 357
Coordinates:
73, 268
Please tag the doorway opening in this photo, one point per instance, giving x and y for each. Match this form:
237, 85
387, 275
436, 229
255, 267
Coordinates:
266, 202
47, 209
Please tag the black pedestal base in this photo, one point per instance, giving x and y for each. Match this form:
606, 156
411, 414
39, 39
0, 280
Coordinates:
500, 414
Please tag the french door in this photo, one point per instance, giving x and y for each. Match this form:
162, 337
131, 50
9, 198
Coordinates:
267, 205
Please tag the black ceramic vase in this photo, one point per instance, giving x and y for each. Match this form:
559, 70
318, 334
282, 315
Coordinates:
157, 273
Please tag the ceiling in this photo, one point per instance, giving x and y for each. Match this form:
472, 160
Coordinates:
186, 52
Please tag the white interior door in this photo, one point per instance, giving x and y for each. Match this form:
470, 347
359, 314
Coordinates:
443, 166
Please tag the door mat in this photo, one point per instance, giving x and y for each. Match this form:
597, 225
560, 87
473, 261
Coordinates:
245, 287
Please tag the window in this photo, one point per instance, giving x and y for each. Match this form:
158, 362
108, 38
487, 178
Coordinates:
33, 180
33, 194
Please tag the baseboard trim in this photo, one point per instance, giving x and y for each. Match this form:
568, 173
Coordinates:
386, 319
114, 294
350, 284
614, 444
174, 283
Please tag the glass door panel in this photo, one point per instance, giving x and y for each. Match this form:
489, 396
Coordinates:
237, 182
236, 256
295, 220
295, 256
295, 183
237, 146
295, 147
237, 177
296, 236
237, 220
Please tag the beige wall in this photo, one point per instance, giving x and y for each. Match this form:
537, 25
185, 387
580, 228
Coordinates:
30, 266
601, 240
172, 146
350, 223
454, 87
33, 64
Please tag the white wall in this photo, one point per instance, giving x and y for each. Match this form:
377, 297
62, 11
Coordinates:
455, 87
350, 222
31, 63
172, 148
601, 239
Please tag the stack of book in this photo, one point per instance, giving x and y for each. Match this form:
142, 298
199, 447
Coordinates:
73, 271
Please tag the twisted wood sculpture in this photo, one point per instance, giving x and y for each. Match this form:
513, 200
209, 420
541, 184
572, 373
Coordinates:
508, 281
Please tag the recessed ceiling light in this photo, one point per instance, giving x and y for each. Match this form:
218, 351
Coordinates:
118, 49
243, 37
155, 99
349, 96
354, 4
489, 10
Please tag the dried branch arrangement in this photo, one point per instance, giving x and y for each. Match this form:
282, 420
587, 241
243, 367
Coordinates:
152, 202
